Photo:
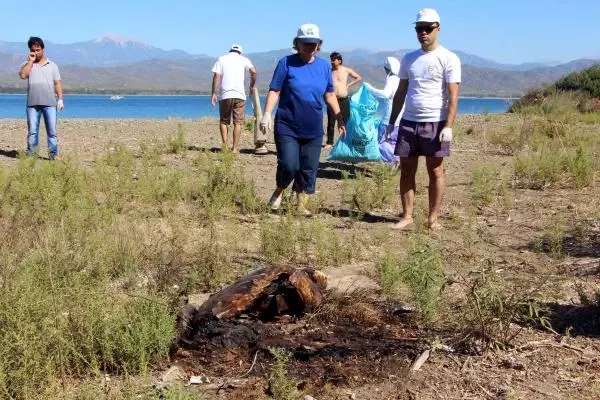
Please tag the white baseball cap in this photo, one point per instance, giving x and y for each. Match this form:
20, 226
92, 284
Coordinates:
428, 15
237, 47
308, 33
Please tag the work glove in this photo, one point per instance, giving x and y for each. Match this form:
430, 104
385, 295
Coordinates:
266, 123
60, 105
446, 135
389, 129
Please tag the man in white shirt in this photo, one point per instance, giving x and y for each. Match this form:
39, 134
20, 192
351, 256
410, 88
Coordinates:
229, 75
429, 85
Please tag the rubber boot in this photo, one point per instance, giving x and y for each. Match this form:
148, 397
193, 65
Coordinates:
302, 200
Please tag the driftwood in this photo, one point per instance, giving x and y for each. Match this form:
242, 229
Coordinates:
265, 294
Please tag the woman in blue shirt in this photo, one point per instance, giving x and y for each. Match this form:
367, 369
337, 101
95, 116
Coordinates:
300, 83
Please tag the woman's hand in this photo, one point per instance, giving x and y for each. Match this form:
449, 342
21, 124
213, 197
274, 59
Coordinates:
266, 124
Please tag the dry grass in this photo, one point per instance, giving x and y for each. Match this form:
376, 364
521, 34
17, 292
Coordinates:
96, 257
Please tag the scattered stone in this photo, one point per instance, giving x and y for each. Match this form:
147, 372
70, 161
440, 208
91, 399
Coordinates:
261, 150
512, 364
418, 363
447, 349
171, 375
350, 278
196, 299
403, 309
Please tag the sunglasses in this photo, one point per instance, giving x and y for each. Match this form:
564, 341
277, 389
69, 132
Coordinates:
425, 28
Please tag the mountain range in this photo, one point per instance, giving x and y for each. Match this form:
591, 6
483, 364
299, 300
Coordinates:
113, 64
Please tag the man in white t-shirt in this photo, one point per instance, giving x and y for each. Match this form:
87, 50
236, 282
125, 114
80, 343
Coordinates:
429, 85
229, 74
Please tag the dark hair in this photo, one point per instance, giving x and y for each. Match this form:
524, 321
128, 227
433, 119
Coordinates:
35, 41
336, 56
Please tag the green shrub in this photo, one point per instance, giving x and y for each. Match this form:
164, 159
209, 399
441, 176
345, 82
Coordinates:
226, 189
369, 193
420, 271
483, 185
587, 81
571, 96
281, 386
538, 169
581, 168
490, 310
545, 166
176, 143
90, 272
301, 240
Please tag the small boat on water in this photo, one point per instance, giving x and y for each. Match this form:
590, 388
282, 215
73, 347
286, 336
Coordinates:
116, 97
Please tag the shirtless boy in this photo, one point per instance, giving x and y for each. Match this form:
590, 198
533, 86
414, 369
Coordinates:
340, 75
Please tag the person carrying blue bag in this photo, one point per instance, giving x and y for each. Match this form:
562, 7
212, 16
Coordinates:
387, 136
360, 143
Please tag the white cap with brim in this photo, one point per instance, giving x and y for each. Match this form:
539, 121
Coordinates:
236, 47
428, 15
308, 33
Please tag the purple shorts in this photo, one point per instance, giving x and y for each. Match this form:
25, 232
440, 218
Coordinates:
421, 139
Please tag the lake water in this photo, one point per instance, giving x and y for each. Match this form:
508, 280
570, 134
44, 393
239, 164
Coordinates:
187, 107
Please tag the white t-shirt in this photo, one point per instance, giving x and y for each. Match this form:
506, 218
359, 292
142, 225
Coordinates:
428, 75
232, 67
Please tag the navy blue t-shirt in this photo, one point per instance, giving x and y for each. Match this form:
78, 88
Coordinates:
302, 86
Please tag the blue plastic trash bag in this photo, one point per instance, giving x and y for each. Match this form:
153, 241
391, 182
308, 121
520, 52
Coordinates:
360, 143
387, 145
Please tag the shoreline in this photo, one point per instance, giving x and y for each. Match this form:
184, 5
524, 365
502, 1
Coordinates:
206, 117
208, 95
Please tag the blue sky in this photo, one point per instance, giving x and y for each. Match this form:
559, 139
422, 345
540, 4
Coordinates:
505, 31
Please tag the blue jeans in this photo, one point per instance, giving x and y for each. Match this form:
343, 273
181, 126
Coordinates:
34, 114
298, 161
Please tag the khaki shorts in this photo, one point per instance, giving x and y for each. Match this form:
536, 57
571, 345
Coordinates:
232, 108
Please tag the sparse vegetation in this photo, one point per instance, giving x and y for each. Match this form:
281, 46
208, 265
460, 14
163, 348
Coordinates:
491, 311
420, 273
306, 241
98, 256
370, 190
176, 143
90, 280
484, 185
574, 97
281, 386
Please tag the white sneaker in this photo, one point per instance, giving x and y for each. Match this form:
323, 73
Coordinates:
275, 201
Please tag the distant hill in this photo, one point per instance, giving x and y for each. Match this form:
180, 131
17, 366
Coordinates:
362, 56
110, 50
117, 65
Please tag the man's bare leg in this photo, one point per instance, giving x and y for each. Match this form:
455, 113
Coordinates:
408, 166
223, 128
437, 184
237, 132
